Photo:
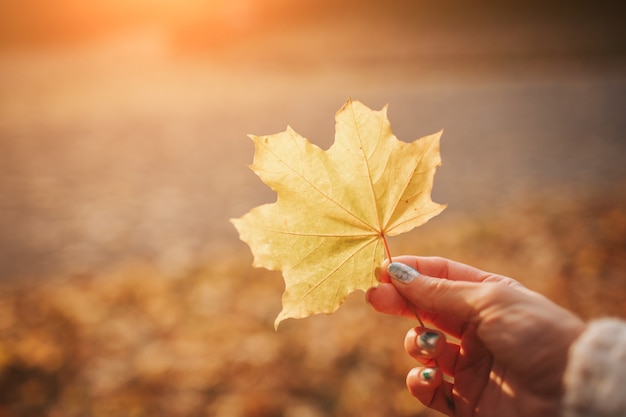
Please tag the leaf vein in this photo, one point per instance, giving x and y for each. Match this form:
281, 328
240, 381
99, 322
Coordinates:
366, 160
406, 185
333, 271
322, 193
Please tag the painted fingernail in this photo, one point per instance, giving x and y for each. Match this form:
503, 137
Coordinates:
402, 272
427, 374
427, 341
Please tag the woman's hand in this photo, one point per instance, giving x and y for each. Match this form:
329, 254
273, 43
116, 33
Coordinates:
507, 347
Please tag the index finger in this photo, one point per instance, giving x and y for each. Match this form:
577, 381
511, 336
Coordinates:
385, 298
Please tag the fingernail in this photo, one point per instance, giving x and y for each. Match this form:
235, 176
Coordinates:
377, 272
402, 272
427, 374
427, 341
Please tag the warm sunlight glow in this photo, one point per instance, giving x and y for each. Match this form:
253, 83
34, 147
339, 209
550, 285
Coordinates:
70, 20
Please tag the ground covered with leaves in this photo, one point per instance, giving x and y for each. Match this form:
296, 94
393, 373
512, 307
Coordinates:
137, 341
124, 290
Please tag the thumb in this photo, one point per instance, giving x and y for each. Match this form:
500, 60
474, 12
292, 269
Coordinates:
436, 295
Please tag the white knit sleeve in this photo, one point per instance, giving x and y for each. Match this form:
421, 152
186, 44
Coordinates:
595, 378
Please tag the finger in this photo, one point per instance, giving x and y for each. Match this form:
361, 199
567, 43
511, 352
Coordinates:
427, 385
443, 356
422, 383
385, 298
448, 359
424, 344
436, 295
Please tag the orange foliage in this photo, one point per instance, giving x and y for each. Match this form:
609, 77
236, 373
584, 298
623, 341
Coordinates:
141, 342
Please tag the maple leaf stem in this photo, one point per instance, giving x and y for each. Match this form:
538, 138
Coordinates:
448, 396
387, 251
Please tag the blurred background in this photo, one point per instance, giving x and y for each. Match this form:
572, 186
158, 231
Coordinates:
124, 290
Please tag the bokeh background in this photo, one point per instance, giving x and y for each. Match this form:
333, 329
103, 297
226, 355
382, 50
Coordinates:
124, 290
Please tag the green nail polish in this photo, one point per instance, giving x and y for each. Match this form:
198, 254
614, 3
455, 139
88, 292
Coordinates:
428, 374
428, 341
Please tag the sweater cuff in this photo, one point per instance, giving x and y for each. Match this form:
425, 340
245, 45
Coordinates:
596, 372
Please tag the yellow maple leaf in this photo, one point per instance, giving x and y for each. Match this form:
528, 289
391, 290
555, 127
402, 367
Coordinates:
327, 229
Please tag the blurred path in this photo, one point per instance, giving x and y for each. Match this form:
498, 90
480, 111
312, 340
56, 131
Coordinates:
135, 147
